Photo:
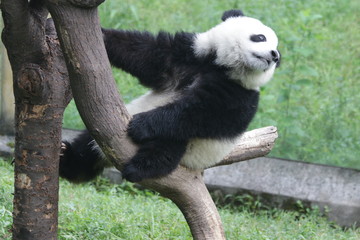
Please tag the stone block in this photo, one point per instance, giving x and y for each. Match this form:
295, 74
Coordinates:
280, 183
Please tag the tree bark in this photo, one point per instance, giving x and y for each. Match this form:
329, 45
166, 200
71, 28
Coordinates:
106, 117
94, 89
42, 92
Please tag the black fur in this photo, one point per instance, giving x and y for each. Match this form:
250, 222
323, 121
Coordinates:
210, 104
156, 60
80, 160
232, 13
157, 157
216, 108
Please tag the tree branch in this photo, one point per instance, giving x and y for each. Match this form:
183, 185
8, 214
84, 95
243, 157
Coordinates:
252, 144
92, 83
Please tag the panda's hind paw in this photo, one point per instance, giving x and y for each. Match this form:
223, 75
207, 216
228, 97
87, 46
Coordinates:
132, 173
63, 148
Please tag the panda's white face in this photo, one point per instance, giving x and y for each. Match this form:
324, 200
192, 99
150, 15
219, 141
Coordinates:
244, 45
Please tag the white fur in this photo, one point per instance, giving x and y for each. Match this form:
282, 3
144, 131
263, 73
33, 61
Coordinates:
203, 153
253, 80
150, 101
234, 49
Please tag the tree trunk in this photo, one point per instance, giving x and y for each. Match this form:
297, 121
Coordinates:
41, 93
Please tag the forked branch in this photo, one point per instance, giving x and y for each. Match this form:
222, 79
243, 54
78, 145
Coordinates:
106, 117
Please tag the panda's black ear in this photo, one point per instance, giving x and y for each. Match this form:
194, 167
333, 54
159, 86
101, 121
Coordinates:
232, 13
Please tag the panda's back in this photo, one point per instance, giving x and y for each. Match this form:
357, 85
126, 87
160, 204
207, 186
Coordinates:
150, 100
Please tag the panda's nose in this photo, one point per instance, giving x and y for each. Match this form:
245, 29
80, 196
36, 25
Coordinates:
275, 55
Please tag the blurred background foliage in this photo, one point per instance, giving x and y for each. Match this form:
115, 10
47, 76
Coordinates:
313, 98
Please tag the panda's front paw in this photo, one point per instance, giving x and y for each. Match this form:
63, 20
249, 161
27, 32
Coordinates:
139, 129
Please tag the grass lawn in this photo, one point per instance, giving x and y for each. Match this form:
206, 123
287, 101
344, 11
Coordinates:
102, 211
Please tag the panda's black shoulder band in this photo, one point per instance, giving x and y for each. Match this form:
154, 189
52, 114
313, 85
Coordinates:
232, 13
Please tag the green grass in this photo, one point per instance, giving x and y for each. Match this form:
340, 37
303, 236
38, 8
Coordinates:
313, 98
6, 197
102, 211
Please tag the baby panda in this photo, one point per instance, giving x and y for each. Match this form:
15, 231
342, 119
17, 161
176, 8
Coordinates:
204, 93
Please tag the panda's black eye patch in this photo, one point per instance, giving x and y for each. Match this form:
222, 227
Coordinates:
258, 38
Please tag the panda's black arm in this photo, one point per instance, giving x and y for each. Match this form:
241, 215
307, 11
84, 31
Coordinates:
148, 57
138, 53
210, 112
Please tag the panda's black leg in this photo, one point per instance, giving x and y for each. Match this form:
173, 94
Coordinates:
154, 158
81, 160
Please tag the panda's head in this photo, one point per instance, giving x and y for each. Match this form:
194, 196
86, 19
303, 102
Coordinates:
243, 45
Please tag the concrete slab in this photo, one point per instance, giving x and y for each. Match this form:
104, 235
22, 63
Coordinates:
280, 183
5, 146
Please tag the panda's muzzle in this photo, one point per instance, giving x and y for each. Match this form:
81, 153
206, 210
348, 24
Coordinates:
272, 57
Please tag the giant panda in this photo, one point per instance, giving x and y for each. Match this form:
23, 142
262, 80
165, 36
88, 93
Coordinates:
204, 93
